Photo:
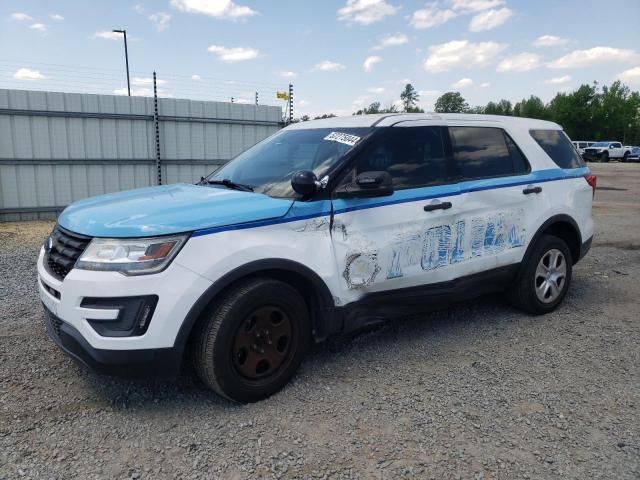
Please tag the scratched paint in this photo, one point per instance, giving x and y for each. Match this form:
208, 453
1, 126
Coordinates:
406, 251
361, 269
458, 250
434, 248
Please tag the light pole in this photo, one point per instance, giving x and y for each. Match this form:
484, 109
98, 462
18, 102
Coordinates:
126, 57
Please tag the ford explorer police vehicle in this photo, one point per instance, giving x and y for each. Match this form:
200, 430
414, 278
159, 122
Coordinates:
324, 227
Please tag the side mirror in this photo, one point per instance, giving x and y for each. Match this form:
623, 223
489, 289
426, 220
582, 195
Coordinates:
610, 146
367, 184
305, 182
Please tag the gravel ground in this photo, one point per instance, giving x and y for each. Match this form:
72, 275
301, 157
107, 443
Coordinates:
476, 391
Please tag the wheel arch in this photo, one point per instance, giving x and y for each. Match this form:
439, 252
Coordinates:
325, 318
564, 227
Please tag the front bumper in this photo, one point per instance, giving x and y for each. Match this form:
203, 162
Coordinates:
177, 289
148, 363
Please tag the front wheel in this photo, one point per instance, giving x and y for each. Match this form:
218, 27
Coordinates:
544, 277
251, 342
604, 157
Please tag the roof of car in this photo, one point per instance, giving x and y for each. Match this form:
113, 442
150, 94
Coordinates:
390, 119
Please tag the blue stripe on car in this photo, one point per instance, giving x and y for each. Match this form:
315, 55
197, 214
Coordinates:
305, 211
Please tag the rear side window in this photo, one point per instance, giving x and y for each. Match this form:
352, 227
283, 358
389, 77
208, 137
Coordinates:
481, 152
556, 144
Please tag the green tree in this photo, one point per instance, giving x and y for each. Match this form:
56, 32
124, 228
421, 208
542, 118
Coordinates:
533, 107
410, 98
577, 111
374, 107
451, 102
325, 115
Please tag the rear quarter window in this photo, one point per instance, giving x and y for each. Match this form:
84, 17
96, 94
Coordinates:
556, 144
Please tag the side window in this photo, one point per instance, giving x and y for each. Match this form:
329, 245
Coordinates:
481, 152
413, 156
617, 145
556, 144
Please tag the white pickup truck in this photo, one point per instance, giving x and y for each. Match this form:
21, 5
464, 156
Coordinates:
605, 151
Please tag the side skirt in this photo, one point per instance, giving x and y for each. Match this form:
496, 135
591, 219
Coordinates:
393, 304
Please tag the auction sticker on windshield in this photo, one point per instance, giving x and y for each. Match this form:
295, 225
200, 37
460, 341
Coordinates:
345, 138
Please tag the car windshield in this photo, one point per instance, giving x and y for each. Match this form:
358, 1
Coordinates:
268, 166
600, 144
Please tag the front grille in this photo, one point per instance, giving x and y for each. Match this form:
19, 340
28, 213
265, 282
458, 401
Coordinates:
63, 251
53, 322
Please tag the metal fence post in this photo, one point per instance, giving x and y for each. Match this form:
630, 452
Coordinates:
156, 123
290, 103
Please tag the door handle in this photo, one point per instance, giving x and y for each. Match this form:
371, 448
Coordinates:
529, 190
437, 206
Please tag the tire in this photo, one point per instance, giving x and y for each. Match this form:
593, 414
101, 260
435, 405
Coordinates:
251, 341
604, 157
625, 157
529, 292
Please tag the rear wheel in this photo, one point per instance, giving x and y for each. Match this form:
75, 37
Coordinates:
625, 157
252, 340
545, 277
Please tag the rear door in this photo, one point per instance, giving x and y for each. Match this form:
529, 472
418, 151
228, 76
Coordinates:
401, 240
495, 194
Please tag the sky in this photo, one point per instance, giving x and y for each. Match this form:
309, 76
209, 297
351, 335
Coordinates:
340, 55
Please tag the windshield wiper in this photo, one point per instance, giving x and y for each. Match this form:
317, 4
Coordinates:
227, 183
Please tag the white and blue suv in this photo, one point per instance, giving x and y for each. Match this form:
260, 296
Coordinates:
324, 227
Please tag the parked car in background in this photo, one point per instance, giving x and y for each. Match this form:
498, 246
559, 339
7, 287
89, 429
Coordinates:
634, 154
581, 145
605, 151
324, 227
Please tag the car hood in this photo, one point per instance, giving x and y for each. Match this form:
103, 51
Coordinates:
168, 209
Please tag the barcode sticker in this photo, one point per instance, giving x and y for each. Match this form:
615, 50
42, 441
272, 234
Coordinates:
345, 138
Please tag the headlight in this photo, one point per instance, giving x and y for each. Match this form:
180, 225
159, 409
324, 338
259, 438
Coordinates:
131, 256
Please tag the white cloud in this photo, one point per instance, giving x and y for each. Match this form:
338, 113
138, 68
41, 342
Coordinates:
366, 12
142, 92
429, 93
146, 81
489, 19
108, 35
558, 80
22, 17
138, 8
468, 6
392, 41
462, 83
288, 74
214, 8
40, 27
370, 62
431, 16
160, 20
549, 41
594, 56
485, 85
360, 100
235, 54
631, 76
302, 103
28, 74
459, 53
377, 90
328, 66
57, 17
196, 78
522, 62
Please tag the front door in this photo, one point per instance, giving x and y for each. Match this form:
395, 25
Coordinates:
401, 240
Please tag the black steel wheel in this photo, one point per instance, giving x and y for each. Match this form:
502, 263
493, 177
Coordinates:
251, 341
